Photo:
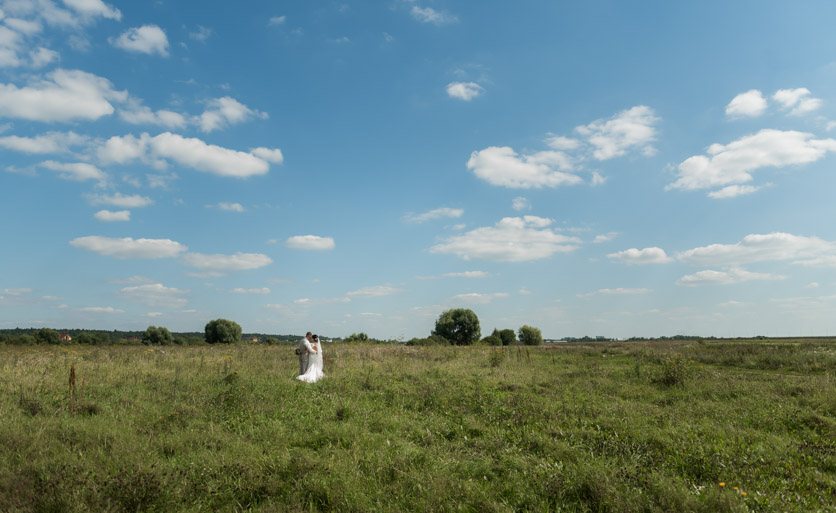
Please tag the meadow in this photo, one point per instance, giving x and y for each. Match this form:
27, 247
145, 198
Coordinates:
651, 426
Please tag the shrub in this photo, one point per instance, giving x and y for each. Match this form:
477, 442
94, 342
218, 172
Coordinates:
459, 325
531, 336
492, 340
508, 336
222, 331
675, 370
432, 340
357, 337
157, 336
47, 336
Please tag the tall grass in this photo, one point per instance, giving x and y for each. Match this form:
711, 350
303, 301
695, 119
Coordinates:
571, 428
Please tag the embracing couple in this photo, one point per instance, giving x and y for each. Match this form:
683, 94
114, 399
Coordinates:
310, 359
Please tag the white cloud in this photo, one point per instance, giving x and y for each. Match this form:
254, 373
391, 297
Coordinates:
310, 242
597, 179
632, 128
76, 171
468, 274
502, 166
50, 142
797, 101
812, 285
464, 90
731, 303
513, 239
729, 277
101, 309
604, 237
524, 292
376, 291
123, 149
65, 95
201, 34
154, 314
237, 262
148, 39
637, 256
239, 290
558, 142
437, 213
616, 292
760, 248
137, 114
213, 159
41, 56
27, 27
17, 292
133, 280
732, 164
225, 111
277, 20
273, 155
128, 247
94, 8
108, 216
520, 203
155, 295
230, 207
733, 191
120, 200
748, 104
475, 298
430, 15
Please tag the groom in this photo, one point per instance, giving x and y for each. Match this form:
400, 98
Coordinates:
302, 351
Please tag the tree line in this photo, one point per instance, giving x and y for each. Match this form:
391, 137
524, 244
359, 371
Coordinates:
460, 327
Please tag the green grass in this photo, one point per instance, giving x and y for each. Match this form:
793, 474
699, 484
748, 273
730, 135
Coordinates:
595, 427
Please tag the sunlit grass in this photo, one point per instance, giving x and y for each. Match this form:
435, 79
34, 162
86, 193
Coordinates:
711, 426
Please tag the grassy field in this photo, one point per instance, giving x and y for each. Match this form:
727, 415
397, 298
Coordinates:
685, 426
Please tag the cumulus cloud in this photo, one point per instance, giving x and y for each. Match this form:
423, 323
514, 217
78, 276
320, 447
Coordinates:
759, 248
733, 191
748, 104
93, 8
376, 291
733, 163
616, 292
520, 203
632, 128
198, 155
310, 242
120, 200
147, 39
137, 114
797, 101
502, 166
123, 149
101, 309
108, 216
155, 295
437, 213
475, 298
604, 237
729, 277
128, 247
273, 155
64, 95
559, 142
230, 207
50, 142
239, 290
40, 57
635, 256
222, 112
236, 262
277, 20
468, 274
512, 239
430, 15
76, 171
201, 34
464, 90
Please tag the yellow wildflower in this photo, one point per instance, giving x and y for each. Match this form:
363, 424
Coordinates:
722, 485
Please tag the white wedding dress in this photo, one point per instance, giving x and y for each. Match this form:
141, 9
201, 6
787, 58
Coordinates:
314, 371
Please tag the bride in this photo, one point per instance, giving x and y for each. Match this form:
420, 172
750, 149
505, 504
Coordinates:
314, 371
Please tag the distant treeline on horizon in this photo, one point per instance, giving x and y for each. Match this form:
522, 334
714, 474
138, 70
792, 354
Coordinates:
28, 336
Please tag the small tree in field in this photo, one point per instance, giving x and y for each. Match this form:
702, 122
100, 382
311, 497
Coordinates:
157, 336
222, 331
531, 336
508, 336
460, 326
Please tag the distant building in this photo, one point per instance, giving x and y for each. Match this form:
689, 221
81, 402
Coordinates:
64, 337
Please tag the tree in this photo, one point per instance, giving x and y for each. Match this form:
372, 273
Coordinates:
357, 337
459, 325
508, 336
531, 336
47, 336
222, 331
96, 338
432, 340
157, 336
492, 340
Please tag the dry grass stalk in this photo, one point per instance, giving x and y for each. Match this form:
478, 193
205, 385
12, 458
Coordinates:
72, 389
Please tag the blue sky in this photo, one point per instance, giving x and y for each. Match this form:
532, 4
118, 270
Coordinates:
589, 168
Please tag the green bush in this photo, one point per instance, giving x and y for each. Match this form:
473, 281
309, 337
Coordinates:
432, 340
459, 325
492, 340
47, 336
531, 336
157, 336
508, 336
222, 331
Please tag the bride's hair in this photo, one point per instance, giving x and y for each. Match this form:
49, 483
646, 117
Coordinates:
316, 337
